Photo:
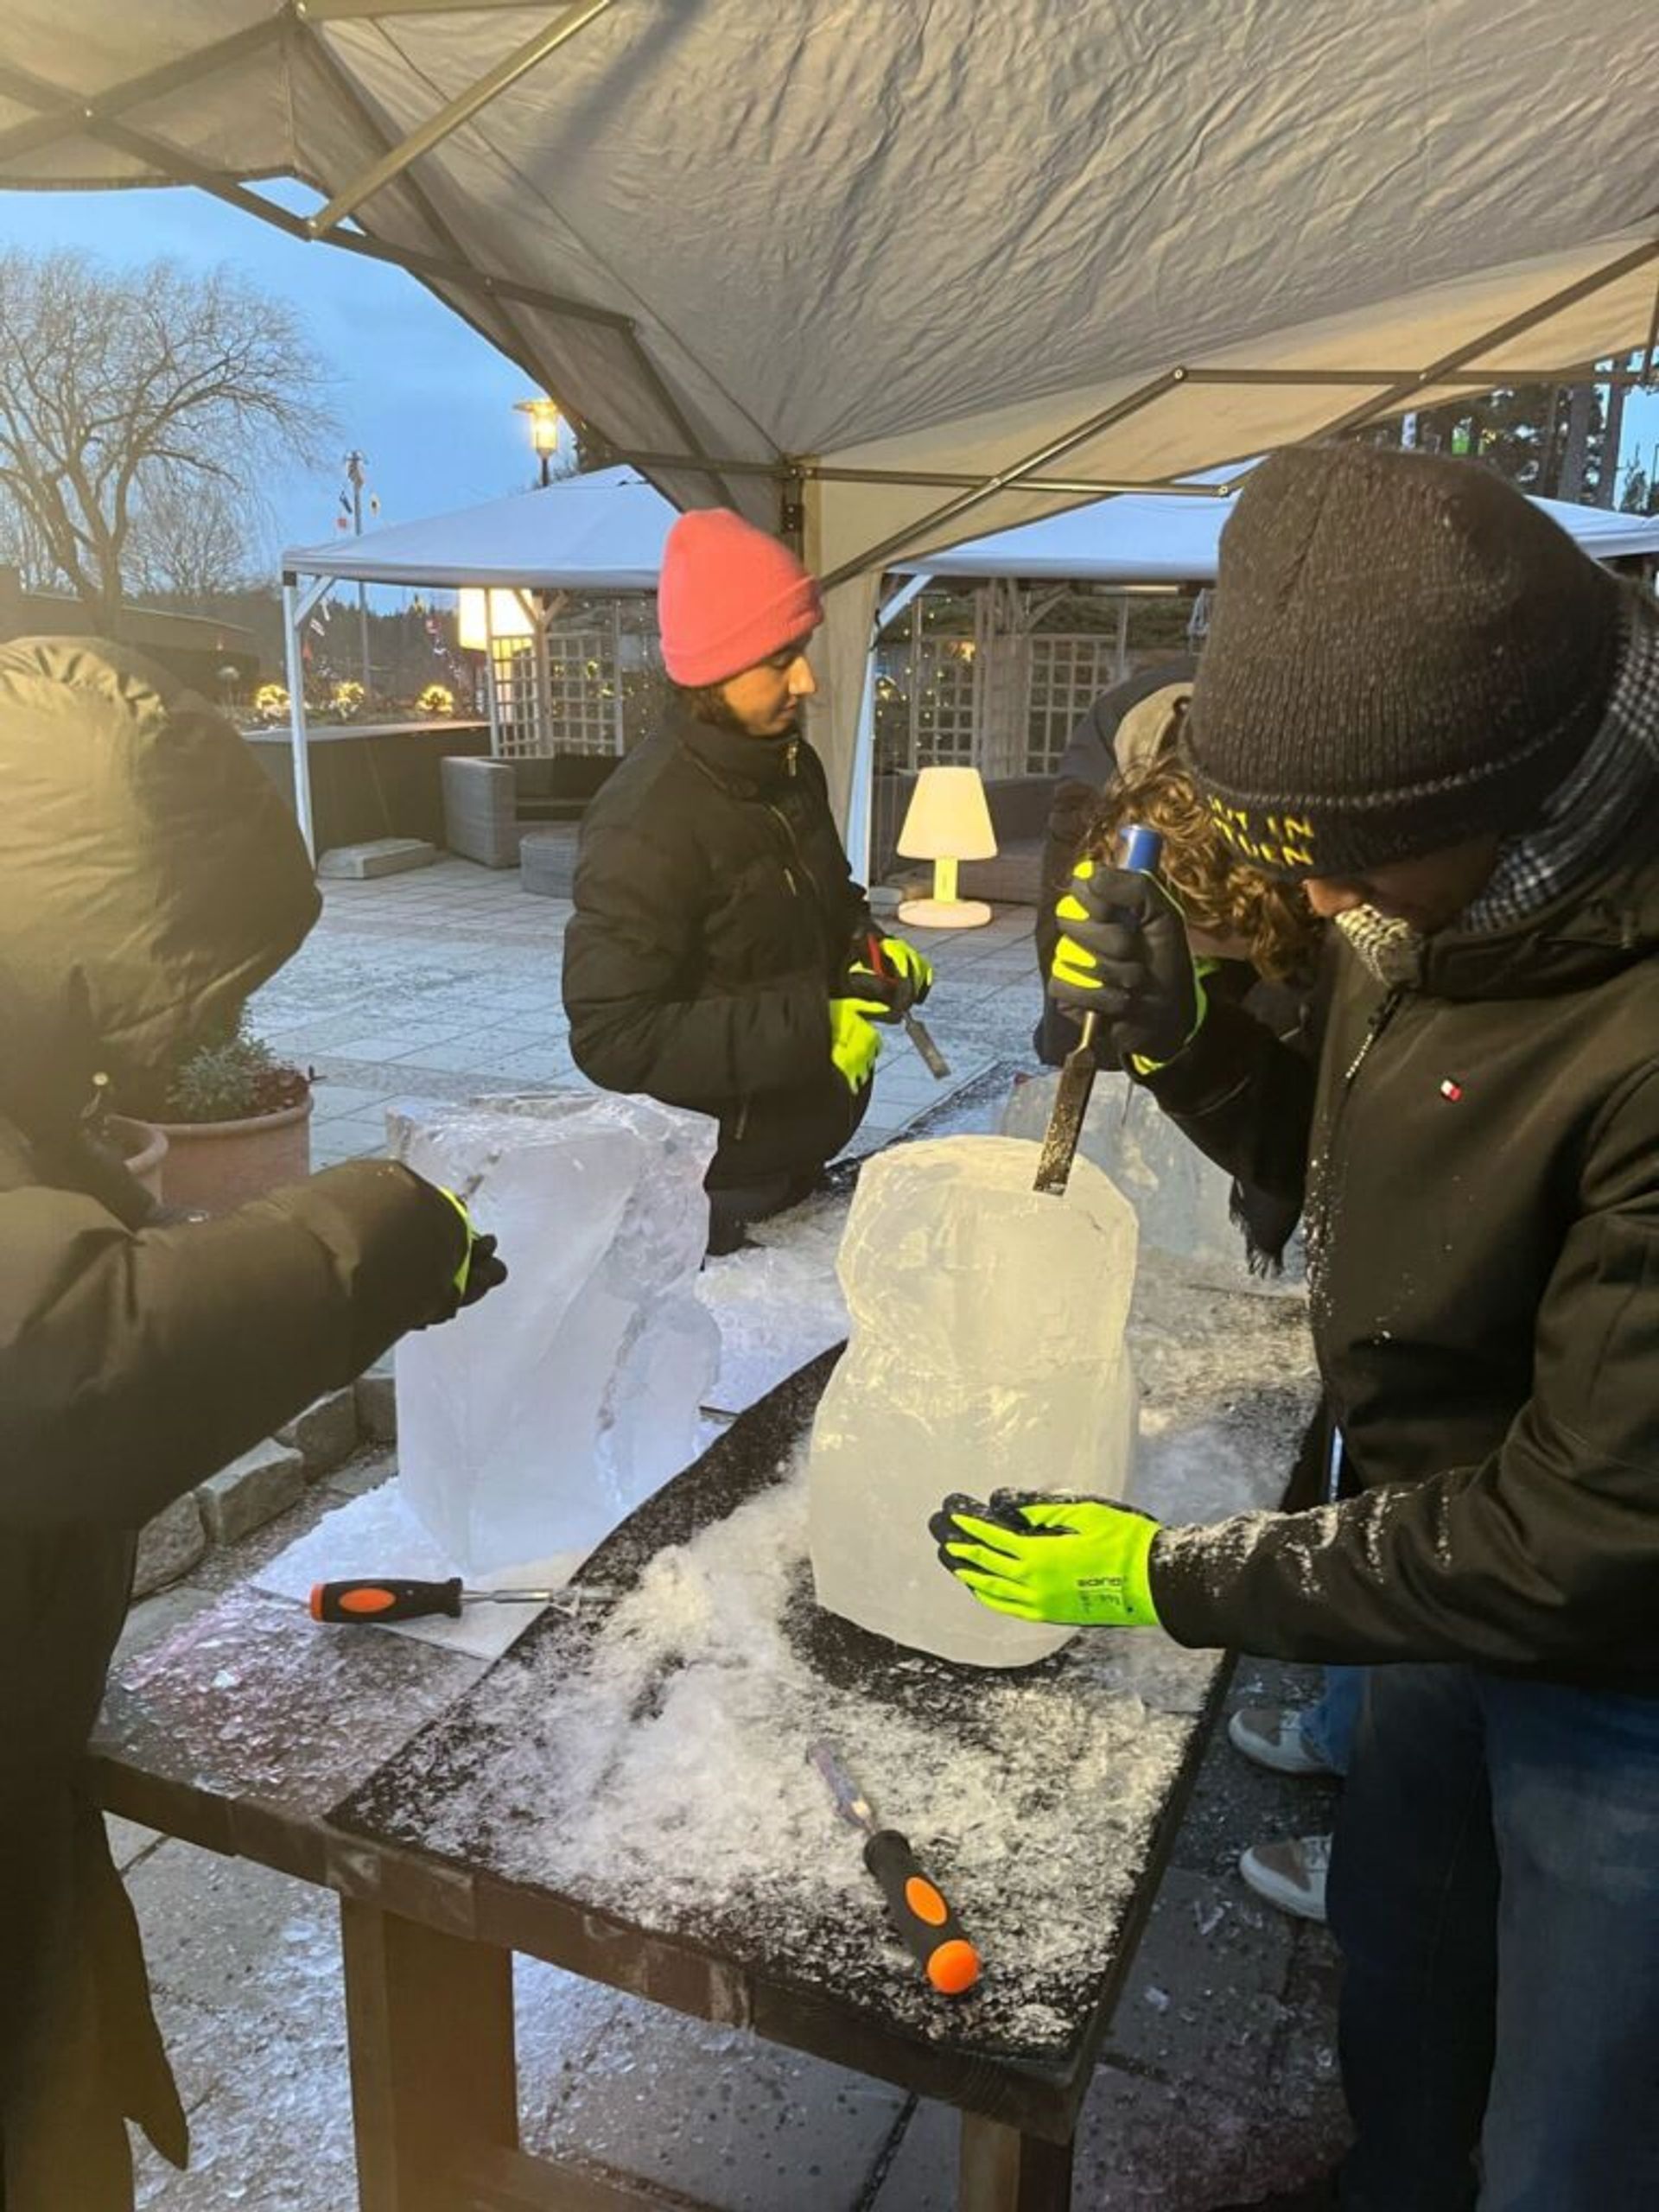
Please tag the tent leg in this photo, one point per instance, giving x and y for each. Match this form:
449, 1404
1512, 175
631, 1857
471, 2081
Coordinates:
861, 798
296, 665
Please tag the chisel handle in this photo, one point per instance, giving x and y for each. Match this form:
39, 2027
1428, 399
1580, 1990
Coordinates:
385, 1600
922, 1914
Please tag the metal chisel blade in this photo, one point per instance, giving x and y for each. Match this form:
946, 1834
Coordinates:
922, 1037
850, 1801
1065, 1123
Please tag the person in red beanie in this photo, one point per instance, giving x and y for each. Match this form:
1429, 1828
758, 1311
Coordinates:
719, 954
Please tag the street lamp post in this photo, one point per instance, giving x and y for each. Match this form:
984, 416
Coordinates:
543, 430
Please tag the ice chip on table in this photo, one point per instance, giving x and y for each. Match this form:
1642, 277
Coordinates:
537, 1420
1181, 1200
986, 1352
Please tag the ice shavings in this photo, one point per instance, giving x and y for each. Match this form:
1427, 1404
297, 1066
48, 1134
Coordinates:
778, 1304
537, 1420
662, 1776
253, 1699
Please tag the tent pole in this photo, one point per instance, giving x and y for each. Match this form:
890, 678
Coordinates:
450, 117
1010, 478
860, 799
295, 664
1541, 311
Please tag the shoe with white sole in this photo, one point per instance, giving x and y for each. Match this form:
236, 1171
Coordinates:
1271, 1736
1291, 1874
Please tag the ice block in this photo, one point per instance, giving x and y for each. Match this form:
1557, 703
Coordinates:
534, 1422
986, 1351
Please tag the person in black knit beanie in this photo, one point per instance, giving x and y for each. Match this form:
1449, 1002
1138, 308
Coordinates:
1422, 702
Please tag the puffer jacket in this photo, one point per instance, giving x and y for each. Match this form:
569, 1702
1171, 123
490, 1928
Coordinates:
1482, 1158
715, 918
153, 879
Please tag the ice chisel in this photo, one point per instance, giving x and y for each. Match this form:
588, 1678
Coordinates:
915, 1028
920, 1910
391, 1598
1142, 847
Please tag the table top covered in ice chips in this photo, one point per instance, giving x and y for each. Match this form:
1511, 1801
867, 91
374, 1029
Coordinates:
647, 1761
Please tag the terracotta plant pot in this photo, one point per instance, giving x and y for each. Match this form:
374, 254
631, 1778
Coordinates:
142, 1146
213, 1166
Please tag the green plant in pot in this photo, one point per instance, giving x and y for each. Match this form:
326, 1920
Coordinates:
238, 1123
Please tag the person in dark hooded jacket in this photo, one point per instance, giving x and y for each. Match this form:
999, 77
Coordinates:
720, 956
153, 880
1420, 700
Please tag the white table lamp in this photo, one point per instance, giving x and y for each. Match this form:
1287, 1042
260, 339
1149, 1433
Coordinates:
947, 821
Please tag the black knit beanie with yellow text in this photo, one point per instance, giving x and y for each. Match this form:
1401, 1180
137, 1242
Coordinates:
1404, 654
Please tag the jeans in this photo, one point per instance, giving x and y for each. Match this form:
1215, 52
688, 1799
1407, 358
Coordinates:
1328, 1727
1495, 1892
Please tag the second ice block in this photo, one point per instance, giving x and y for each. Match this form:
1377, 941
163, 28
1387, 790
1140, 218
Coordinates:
533, 1423
986, 1352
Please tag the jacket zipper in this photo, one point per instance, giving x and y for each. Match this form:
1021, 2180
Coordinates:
1374, 1028
783, 820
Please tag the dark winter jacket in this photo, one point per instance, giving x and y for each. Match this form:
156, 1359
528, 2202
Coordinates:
153, 877
1484, 1251
714, 918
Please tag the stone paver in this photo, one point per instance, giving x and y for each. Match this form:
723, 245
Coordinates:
1218, 2081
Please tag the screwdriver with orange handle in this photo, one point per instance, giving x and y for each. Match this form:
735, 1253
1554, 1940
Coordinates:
920, 1910
389, 1597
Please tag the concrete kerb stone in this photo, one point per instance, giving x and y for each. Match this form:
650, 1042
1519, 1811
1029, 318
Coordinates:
251, 1491
324, 1434
376, 1405
170, 1546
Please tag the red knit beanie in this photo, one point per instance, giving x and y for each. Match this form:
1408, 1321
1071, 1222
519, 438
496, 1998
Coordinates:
728, 596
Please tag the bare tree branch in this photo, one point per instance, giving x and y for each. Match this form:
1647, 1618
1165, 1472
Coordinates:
139, 413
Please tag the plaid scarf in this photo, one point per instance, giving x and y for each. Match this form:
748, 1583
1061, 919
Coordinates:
1583, 814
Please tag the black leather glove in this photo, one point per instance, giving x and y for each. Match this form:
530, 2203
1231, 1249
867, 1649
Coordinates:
1123, 955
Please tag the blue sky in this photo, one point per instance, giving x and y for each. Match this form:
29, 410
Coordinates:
424, 397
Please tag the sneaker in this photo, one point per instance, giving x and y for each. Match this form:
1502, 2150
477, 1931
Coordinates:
1271, 1736
1290, 1875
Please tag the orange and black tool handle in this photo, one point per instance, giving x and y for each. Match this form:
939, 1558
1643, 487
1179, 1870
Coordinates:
390, 1600
922, 1914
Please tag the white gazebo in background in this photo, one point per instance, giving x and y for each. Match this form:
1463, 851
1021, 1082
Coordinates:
889, 276
1002, 700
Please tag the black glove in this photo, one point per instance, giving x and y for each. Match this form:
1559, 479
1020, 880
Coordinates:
1124, 956
480, 1269
888, 973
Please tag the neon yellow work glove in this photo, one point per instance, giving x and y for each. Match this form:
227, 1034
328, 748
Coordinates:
915, 967
1041, 1558
1125, 955
855, 1043
480, 1270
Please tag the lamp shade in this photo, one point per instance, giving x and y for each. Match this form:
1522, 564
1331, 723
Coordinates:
947, 818
507, 617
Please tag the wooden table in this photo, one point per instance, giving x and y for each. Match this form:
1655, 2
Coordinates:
328, 1755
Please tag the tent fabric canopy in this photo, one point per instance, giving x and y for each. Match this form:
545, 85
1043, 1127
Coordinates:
848, 265
604, 532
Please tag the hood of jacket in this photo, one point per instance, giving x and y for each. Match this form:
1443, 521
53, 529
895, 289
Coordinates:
154, 877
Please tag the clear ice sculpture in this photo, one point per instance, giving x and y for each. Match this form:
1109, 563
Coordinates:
535, 1421
986, 1352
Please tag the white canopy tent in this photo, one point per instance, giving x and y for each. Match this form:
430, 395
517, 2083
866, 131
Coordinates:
891, 275
603, 533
